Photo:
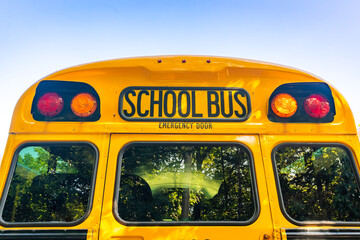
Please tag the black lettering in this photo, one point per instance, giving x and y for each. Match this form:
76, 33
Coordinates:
204, 125
139, 104
193, 106
153, 102
237, 100
187, 113
214, 102
126, 113
227, 115
173, 111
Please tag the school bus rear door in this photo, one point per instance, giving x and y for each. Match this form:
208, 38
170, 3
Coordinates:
185, 187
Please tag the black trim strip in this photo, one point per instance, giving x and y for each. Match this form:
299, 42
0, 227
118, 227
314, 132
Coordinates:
43, 234
322, 234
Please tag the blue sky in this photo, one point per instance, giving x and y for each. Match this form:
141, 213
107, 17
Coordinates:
40, 37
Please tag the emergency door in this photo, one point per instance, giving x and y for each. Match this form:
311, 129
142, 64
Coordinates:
185, 187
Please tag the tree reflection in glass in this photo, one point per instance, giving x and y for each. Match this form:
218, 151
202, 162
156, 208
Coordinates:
170, 183
318, 183
50, 183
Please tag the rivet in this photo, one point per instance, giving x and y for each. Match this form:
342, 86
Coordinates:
208, 61
159, 61
183, 61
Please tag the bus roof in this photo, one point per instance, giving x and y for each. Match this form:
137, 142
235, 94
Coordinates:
173, 74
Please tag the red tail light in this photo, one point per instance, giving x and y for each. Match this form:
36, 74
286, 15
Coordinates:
317, 106
50, 104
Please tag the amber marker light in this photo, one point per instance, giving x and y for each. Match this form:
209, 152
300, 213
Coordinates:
284, 105
83, 104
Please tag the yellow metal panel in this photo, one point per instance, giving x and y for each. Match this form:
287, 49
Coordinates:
110, 78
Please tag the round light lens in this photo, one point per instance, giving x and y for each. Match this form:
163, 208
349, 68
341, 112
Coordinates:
284, 105
83, 104
317, 106
50, 104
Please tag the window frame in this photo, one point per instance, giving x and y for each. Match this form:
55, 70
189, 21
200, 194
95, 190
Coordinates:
53, 223
279, 190
253, 177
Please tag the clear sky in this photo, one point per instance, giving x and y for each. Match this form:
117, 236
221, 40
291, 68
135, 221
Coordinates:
40, 37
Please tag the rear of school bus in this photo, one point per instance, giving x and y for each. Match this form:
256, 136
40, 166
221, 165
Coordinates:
180, 148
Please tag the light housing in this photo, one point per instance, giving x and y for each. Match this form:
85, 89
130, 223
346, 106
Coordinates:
68, 91
315, 103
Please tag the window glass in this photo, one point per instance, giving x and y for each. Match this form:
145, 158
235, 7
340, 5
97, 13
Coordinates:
318, 183
170, 183
50, 183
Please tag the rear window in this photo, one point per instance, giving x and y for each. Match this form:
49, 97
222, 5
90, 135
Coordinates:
49, 183
186, 183
318, 183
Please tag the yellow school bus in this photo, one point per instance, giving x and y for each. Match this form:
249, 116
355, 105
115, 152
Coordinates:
183, 148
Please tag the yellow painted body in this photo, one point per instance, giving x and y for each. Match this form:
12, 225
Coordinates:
111, 133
